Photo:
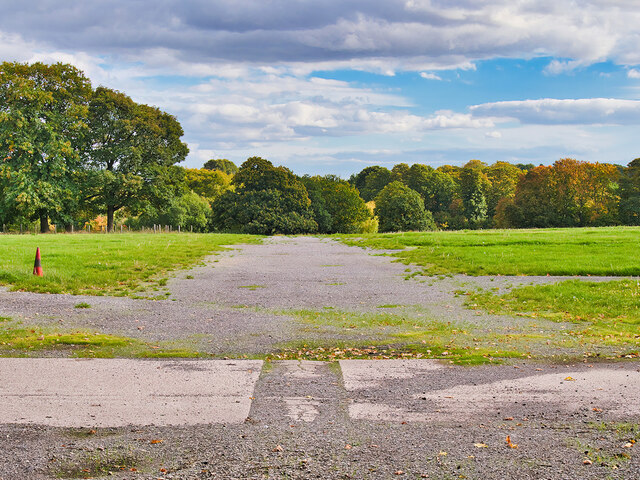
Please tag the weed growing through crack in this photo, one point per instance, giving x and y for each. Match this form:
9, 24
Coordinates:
19, 340
94, 464
252, 287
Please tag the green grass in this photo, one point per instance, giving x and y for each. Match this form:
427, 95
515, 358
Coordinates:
19, 340
97, 464
406, 334
117, 264
608, 451
252, 287
568, 251
602, 313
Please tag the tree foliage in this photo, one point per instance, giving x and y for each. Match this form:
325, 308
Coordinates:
399, 208
266, 200
371, 180
42, 133
336, 204
209, 184
569, 193
630, 194
131, 147
223, 165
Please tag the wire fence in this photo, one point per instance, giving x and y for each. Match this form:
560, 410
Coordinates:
34, 229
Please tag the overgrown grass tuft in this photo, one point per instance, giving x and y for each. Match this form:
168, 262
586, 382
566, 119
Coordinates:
116, 264
604, 313
19, 340
406, 334
562, 251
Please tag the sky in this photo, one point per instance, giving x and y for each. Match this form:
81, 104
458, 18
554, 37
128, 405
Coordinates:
333, 86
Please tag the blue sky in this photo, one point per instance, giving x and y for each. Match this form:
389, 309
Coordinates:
334, 86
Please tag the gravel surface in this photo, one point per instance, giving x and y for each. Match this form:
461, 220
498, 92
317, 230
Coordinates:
238, 301
318, 420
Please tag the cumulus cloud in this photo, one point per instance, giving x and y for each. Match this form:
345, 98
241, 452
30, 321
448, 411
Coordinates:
585, 111
405, 32
633, 73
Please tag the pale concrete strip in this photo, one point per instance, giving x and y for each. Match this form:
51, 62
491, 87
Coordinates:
118, 392
612, 390
363, 374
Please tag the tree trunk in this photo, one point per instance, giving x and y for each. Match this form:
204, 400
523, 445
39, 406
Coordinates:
110, 211
44, 223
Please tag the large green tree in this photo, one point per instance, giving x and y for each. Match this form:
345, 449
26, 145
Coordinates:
42, 134
336, 204
630, 194
132, 147
266, 200
474, 186
399, 208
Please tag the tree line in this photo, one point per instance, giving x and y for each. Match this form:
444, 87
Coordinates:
72, 154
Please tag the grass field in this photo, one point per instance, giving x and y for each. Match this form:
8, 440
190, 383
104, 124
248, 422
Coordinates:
117, 264
567, 251
603, 313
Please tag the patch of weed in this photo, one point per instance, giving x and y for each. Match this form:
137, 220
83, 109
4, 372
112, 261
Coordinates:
98, 464
19, 340
82, 305
252, 287
603, 313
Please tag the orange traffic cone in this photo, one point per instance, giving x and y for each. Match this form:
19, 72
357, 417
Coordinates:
37, 266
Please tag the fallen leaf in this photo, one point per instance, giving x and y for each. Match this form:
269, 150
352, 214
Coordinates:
627, 445
587, 462
278, 448
508, 418
597, 410
442, 454
480, 445
348, 447
399, 472
510, 444
570, 379
156, 441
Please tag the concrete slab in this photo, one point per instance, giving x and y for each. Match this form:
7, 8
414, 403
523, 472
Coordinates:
413, 399
119, 392
364, 374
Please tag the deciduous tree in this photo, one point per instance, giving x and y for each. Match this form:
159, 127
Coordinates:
131, 148
42, 132
399, 208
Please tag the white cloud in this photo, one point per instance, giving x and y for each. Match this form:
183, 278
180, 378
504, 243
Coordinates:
557, 67
633, 73
430, 76
493, 134
585, 111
